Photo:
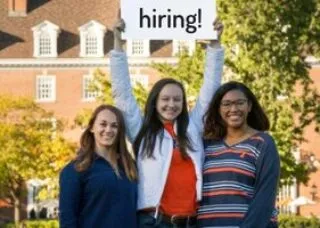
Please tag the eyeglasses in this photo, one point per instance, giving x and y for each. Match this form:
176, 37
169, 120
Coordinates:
227, 104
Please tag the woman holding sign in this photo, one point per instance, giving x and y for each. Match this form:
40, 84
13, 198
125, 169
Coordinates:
167, 141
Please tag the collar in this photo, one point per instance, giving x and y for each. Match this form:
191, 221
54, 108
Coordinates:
170, 127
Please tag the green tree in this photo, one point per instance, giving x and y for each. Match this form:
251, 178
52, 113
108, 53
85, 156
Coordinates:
102, 84
266, 49
31, 148
267, 43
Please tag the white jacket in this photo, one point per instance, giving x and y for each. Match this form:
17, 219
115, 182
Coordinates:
153, 172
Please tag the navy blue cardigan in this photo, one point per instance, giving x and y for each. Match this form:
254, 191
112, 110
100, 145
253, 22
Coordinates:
240, 183
96, 197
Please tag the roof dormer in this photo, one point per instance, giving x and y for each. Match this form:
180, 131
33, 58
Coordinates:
45, 36
91, 39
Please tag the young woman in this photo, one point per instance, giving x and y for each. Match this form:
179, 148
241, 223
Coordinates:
167, 141
241, 167
98, 188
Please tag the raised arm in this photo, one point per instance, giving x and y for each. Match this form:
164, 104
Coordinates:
261, 208
121, 86
212, 78
69, 197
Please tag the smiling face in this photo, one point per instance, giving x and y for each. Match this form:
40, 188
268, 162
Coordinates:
234, 109
105, 129
169, 102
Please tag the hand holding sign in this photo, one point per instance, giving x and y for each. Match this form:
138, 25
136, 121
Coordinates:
168, 19
118, 28
218, 27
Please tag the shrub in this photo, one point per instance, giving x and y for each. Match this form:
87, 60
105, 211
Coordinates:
36, 224
294, 221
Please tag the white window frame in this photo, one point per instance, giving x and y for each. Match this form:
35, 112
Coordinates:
45, 42
145, 48
53, 95
91, 45
96, 30
84, 89
176, 46
33, 186
48, 29
143, 79
287, 193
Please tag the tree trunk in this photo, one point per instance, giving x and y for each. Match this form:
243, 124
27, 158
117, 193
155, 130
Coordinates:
15, 195
17, 211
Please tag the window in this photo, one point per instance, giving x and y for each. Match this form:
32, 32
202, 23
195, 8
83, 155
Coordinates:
181, 45
45, 88
33, 187
88, 93
138, 48
139, 78
91, 45
45, 37
286, 194
44, 44
91, 39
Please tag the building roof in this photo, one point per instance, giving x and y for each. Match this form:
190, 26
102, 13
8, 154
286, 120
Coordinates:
16, 35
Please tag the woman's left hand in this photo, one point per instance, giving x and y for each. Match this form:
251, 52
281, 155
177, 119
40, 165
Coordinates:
218, 27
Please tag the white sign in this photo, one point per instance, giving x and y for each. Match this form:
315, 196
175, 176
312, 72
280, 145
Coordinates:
168, 19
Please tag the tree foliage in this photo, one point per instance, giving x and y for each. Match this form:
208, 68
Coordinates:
267, 43
102, 84
31, 146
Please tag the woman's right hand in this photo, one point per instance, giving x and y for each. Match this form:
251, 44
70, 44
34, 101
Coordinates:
118, 28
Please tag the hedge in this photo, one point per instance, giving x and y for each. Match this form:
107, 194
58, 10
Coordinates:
293, 221
36, 224
285, 221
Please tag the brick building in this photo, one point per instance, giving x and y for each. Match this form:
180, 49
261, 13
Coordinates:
308, 152
49, 50
311, 151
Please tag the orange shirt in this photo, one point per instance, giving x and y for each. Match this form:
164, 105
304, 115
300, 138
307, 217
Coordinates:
179, 196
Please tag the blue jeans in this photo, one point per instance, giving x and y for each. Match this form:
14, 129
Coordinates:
146, 220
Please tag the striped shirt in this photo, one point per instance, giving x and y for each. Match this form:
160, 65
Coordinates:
240, 183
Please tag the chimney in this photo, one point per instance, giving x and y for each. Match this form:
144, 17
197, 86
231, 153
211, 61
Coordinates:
17, 8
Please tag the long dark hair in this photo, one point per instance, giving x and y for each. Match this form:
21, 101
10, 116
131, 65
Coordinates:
214, 126
119, 153
152, 125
